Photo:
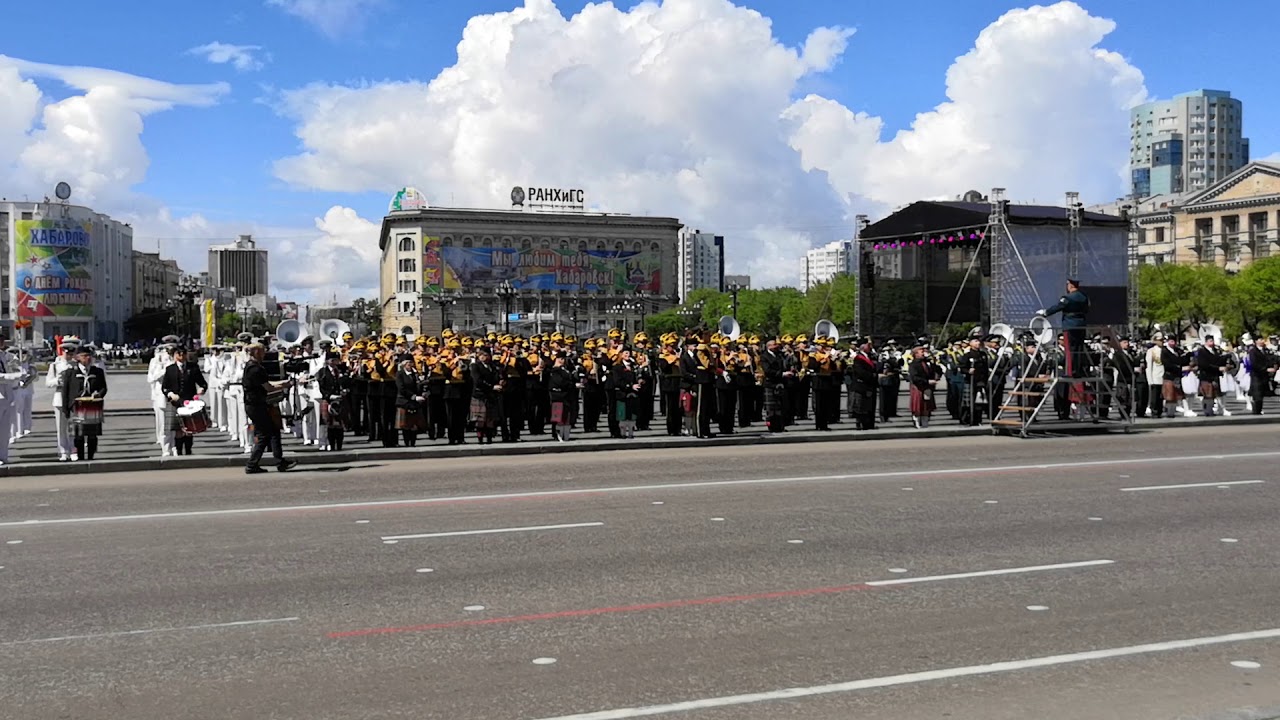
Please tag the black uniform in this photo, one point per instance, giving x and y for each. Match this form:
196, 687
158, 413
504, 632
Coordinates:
975, 368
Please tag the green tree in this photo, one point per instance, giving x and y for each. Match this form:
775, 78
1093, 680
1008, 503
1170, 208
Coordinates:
1177, 296
368, 315
228, 325
1254, 299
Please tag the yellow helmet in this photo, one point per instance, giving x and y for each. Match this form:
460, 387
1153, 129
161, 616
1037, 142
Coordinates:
453, 344
535, 339
589, 343
491, 336
557, 337
787, 339
446, 333
615, 334
432, 342
571, 339
754, 340
802, 338
359, 345
467, 342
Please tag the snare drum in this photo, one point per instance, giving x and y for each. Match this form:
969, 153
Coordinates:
86, 416
194, 423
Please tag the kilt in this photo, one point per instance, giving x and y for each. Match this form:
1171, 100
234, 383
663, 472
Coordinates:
559, 413
171, 420
486, 412
922, 405
862, 401
775, 401
414, 420
1209, 390
1172, 391
333, 415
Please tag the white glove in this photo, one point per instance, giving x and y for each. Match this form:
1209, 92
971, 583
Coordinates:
1040, 313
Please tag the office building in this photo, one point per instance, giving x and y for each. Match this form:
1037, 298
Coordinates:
1186, 144
66, 268
479, 270
822, 264
155, 281
701, 262
241, 266
742, 281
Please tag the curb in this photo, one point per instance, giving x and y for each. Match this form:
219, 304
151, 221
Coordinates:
656, 443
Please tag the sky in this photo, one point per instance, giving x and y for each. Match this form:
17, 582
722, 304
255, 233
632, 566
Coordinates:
772, 122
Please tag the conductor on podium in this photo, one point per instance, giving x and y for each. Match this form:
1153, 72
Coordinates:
1074, 307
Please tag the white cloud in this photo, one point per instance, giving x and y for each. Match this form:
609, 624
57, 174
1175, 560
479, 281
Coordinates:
331, 17
92, 140
670, 109
244, 58
1036, 107
689, 108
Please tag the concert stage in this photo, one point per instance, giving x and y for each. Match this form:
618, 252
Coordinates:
939, 268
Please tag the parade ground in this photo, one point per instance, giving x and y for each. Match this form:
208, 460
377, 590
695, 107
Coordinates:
972, 578
128, 443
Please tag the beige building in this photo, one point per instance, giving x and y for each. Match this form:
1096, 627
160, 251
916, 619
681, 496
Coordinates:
155, 280
1229, 224
523, 270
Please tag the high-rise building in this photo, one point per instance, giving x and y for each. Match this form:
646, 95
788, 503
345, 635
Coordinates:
66, 268
1185, 144
241, 265
822, 264
742, 281
701, 262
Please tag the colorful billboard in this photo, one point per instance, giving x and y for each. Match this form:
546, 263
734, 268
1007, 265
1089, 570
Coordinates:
432, 265
610, 271
53, 269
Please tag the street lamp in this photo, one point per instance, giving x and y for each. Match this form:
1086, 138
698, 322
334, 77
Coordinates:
734, 288
185, 297
506, 291
624, 309
689, 312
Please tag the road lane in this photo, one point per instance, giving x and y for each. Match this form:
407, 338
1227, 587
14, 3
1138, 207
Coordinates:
725, 607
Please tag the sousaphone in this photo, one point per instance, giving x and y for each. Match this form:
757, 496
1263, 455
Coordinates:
334, 329
729, 327
826, 328
289, 333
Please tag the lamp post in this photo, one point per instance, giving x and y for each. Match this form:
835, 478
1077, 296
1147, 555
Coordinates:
734, 289
574, 304
625, 308
506, 291
183, 300
690, 312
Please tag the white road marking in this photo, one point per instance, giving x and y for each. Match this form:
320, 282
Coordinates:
425, 570
908, 489
55, 490
1037, 608
1245, 664
544, 661
796, 542
658, 502
635, 488
494, 531
125, 633
898, 571
717, 519
473, 608
921, 677
1095, 519
390, 542
990, 573
13, 542
1230, 540
990, 502
42, 505
362, 522
1192, 485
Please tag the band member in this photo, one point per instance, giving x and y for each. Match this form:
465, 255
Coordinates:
890, 368
66, 359
820, 366
1001, 359
646, 359
183, 382
1126, 378
804, 381
866, 386
262, 412
560, 384
334, 381
1208, 363
159, 404
593, 381
514, 368
1175, 363
777, 374
10, 376
1074, 307
83, 388
486, 398
411, 405
1153, 360
699, 368
1261, 364
923, 376
625, 384
975, 370
457, 391
725, 383
537, 395
25, 393
358, 407
671, 376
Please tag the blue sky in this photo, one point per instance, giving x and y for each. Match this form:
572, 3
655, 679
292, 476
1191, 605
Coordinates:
217, 161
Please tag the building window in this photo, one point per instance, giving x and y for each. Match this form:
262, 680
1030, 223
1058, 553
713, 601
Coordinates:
408, 286
1205, 240
1142, 236
406, 244
466, 241
408, 265
26, 216
1160, 235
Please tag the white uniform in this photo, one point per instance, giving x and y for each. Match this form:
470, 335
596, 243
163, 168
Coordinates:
217, 390
10, 374
25, 393
237, 421
60, 422
155, 376
311, 392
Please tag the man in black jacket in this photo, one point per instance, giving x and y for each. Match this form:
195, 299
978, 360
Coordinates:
266, 423
976, 369
84, 380
1261, 365
777, 376
183, 381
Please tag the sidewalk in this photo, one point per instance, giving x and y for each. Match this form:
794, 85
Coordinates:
227, 456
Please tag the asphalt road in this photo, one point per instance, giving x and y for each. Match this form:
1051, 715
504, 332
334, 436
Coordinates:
969, 579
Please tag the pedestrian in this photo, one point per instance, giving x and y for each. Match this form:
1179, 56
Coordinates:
259, 405
183, 383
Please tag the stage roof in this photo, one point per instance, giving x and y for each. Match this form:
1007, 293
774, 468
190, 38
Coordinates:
925, 217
